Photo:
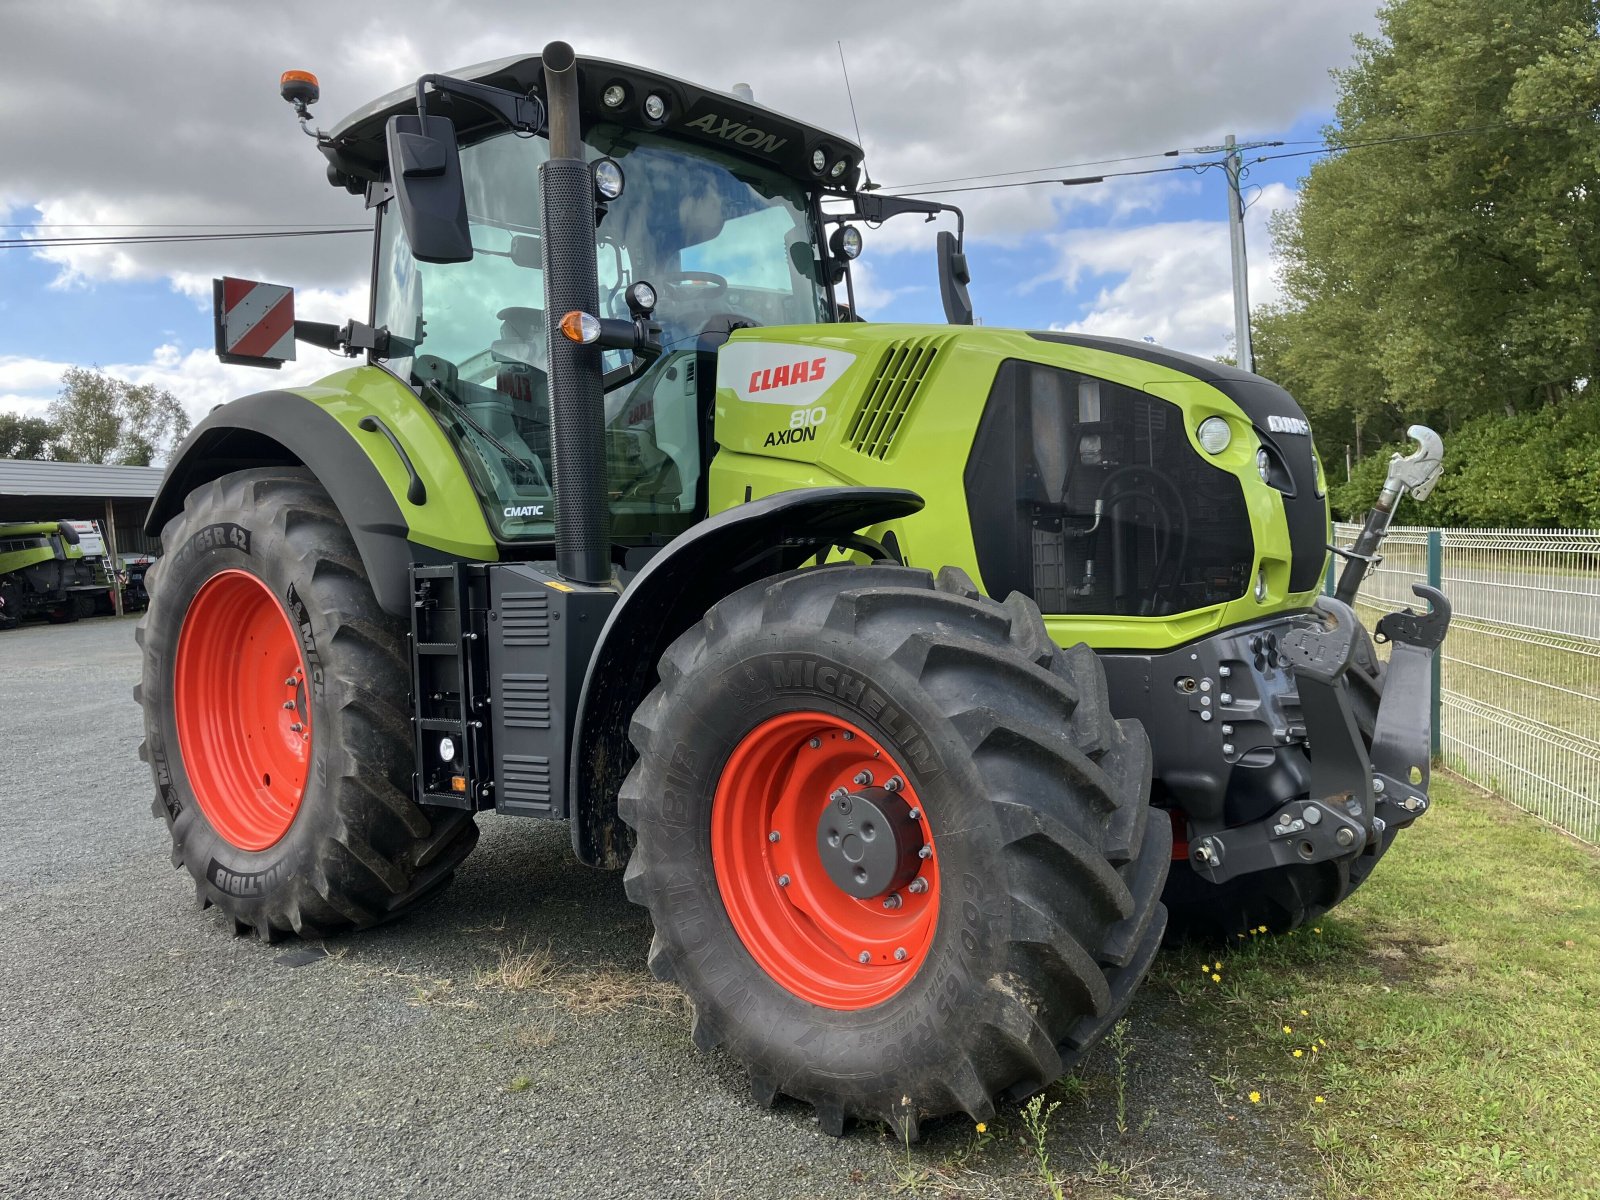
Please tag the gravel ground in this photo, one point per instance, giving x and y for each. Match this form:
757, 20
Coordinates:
146, 1051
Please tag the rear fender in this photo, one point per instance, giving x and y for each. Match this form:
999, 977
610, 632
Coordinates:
382, 458
674, 590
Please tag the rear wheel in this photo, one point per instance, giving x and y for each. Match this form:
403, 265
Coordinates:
895, 848
275, 722
1288, 897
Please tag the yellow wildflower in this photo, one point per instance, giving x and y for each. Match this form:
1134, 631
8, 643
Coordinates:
1216, 978
1263, 928
1317, 929
1288, 1029
1304, 1013
1320, 1100
1219, 966
1255, 1097
982, 1128
1299, 1053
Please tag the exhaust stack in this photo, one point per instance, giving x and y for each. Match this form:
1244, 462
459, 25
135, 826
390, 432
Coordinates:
577, 402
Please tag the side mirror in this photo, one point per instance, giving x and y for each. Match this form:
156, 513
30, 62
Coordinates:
953, 280
425, 172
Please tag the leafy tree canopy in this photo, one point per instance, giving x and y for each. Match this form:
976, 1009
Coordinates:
1442, 278
104, 420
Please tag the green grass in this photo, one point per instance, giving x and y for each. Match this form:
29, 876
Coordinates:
1454, 1003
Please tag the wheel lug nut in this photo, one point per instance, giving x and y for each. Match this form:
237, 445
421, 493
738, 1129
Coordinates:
848, 736
295, 728
783, 881
918, 886
773, 836
839, 794
863, 958
815, 744
290, 682
925, 852
916, 814
900, 954
893, 784
288, 704
863, 778
892, 900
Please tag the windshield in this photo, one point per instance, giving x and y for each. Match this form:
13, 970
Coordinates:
723, 241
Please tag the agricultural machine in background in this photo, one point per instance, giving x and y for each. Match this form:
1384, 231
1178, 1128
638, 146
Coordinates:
903, 669
47, 571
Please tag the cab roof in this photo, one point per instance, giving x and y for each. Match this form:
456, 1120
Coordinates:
694, 113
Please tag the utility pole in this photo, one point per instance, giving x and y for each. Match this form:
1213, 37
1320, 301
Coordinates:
1241, 280
1234, 166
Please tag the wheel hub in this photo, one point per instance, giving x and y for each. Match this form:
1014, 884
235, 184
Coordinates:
831, 883
868, 842
242, 710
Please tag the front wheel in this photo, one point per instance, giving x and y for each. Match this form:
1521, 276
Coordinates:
276, 727
895, 848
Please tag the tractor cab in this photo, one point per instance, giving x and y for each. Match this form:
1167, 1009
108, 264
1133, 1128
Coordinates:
708, 219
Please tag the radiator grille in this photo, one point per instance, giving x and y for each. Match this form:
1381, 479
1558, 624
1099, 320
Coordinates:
883, 410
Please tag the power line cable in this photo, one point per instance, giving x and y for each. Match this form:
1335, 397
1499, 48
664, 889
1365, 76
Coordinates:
166, 239
1323, 147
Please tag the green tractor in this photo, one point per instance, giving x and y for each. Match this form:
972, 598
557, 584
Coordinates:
45, 573
915, 676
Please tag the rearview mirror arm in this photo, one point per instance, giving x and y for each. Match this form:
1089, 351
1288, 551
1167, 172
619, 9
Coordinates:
525, 114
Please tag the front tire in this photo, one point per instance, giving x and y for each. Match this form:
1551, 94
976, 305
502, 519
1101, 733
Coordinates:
1038, 909
276, 727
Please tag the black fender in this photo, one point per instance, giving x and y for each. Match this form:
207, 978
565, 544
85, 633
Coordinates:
713, 559
284, 429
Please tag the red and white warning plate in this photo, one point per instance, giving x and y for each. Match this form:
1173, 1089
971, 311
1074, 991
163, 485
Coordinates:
255, 320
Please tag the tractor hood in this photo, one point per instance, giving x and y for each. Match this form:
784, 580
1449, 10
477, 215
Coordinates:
355, 148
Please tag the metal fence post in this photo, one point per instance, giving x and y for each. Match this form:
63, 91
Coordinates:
1327, 576
1435, 579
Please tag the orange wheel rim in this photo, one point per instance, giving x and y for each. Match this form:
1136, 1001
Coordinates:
807, 800
243, 710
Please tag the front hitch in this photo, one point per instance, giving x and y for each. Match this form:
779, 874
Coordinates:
1355, 797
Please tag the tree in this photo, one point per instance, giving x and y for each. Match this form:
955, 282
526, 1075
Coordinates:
106, 420
1441, 278
26, 437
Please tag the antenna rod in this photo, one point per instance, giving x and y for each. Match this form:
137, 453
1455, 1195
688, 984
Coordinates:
868, 185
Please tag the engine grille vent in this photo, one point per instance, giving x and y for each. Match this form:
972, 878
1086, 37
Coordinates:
899, 377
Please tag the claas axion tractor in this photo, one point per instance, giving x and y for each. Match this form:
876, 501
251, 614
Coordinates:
918, 678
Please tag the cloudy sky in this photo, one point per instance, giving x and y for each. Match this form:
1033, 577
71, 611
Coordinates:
123, 114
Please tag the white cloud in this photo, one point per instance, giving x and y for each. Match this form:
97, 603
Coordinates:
169, 113
193, 375
1173, 281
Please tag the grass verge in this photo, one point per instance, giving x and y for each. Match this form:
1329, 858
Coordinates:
1439, 1034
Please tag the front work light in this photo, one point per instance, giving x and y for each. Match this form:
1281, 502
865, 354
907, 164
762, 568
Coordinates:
845, 242
1264, 466
1214, 435
655, 107
614, 95
641, 298
819, 161
608, 178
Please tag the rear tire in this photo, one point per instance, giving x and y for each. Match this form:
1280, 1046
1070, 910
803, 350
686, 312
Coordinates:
1046, 872
264, 576
1284, 898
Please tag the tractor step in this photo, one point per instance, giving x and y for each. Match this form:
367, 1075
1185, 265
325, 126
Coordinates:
499, 653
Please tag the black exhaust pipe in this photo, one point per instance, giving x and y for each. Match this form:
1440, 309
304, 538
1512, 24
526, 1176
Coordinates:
577, 401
